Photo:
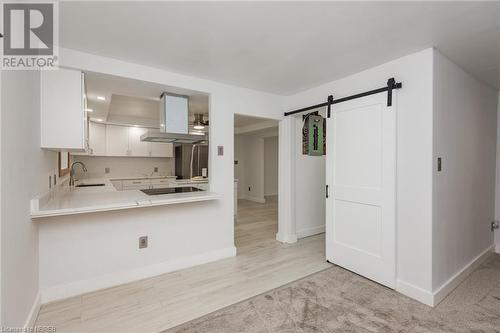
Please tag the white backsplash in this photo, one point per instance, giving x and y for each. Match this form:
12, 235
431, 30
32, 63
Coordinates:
124, 166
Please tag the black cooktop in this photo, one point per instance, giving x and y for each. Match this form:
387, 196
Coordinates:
170, 190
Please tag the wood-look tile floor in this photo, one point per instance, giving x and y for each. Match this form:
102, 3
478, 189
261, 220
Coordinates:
165, 301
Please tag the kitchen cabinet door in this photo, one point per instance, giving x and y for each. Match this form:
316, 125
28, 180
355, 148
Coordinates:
117, 140
62, 114
161, 183
159, 149
136, 184
136, 146
202, 186
97, 139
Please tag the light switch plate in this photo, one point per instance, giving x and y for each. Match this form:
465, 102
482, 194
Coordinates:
220, 150
143, 242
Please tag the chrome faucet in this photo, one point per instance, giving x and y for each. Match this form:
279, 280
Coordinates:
72, 172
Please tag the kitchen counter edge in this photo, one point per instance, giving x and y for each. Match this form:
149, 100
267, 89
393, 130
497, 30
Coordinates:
167, 199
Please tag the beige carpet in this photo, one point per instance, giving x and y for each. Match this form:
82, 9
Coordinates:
336, 300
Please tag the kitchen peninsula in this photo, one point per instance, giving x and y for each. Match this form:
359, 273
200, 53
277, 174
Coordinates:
97, 195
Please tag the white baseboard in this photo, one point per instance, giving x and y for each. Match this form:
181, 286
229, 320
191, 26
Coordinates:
310, 231
110, 280
434, 298
461, 275
255, 199
286, 238
35, 309
412, 291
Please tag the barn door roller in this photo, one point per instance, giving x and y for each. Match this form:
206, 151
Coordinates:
391, 85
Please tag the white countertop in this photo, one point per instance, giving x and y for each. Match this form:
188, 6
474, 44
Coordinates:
63, 201
142, 177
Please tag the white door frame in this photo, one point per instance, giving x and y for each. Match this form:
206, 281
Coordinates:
286, 182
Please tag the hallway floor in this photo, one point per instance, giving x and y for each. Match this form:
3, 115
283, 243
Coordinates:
165, 301
336, 300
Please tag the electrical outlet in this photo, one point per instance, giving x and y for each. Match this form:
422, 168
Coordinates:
143, 242
156, 169
106, 170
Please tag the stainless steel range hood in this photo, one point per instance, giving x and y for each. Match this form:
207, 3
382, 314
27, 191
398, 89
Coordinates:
157, 136
174, 127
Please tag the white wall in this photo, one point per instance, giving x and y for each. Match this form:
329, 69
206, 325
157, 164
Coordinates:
100, 250
239, 169
25, 170
465, 118
497, 187
124, 166
414, 161
310, 175
252, 187
115, 254
250, 152
1, 210
271, 151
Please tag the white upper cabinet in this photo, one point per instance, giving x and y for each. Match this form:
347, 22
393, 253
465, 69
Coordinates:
135, 145
97, 139
159, 149
117, 141
63, 117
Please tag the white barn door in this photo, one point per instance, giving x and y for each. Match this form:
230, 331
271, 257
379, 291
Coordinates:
361, 177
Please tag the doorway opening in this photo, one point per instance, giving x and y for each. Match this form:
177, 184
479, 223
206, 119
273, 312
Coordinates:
256, 181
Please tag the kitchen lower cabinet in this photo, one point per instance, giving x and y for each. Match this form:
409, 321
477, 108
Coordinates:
137, 187
136, 184
160, 183
202, 186
155, 183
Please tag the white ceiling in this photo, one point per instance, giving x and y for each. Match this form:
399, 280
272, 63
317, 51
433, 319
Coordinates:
128, 99
126, 106
254, 125
284, 47
243, 121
